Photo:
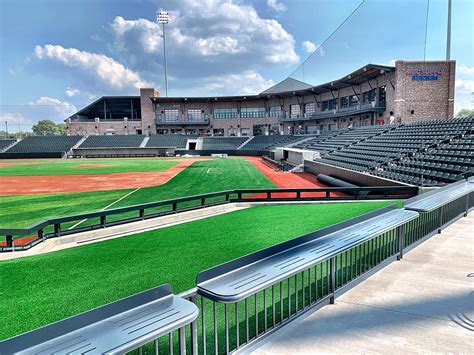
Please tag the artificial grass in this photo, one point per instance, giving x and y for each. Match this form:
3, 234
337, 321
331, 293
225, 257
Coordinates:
38, 290
200, 177
73, 166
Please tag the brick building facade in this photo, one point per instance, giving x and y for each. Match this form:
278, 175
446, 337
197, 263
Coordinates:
411, 90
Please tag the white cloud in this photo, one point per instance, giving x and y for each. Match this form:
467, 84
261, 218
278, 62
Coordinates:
73, 92
204, 38
277, 6
464, 86
246, 83
53, 108
310, 47
98, 68
12, 117
464, 69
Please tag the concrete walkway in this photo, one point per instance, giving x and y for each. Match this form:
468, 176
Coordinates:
422, 304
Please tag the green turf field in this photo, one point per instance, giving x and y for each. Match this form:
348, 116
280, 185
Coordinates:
41, 289
201, 177
72, 166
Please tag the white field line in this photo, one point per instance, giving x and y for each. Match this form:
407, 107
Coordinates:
113, 203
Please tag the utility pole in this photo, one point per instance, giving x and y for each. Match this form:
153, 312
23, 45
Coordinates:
448, 32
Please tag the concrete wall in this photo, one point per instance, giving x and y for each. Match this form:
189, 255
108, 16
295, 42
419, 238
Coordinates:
355, 177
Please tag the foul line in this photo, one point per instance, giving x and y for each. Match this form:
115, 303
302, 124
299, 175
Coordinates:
103, 209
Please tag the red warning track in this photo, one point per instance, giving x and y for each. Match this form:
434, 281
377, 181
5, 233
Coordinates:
26, 185
289, 180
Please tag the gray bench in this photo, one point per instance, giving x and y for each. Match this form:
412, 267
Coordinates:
117, 327
434, 199
243, 277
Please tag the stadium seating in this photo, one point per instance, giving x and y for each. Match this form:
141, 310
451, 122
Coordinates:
4, 143
222, 143
270, 142
113, 141
426, 153
169, 140
44, 144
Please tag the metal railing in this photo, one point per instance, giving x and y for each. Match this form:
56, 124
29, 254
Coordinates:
248, 298
60, 226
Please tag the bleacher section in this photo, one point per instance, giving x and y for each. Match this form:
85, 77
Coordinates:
270, 142
44, 144
169, 140
410, 153
222, 143
312, 144
113, 141
4, 143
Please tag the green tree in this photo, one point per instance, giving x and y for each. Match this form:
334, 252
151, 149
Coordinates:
465, 113
48, 127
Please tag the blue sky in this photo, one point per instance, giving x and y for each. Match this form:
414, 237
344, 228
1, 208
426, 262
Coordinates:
58, 56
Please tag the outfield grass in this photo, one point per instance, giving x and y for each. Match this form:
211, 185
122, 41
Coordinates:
73, 166
200, 177
41, 289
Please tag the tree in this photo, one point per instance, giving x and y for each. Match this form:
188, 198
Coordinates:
465, 113
48, 127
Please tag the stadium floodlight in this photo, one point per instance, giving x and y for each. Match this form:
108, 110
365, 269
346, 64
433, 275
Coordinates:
163, 18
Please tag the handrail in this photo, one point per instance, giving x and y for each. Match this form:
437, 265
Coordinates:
236, 195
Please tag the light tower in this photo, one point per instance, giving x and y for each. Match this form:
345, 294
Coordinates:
162, 17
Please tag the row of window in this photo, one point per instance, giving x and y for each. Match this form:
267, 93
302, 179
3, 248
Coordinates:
276, 111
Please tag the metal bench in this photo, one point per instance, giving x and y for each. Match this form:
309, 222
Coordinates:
243, 277
434, 199
117, 327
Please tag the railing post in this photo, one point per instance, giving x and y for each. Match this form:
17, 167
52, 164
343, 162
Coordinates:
40, 234
227, 197
142, 213
333, 280
174, 206
298, 195
440, 218
57, 230
9, 240
239, 196
401, 241
194, 333
103, 221
328, 195
269, 195
466, 205
182, 340
203, 201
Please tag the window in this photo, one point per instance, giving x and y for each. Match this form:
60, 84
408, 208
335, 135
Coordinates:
245, 132
368, 96
232, 132
310, 108
275, 111
382, 95
225, 113
349, 101
195, 115
295, 111
252, 112
171, 115
328, 105
218, 131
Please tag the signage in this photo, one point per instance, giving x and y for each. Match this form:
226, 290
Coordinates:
424, 74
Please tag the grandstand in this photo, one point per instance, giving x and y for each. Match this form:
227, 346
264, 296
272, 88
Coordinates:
169, 140
112, 141
5, 143
52, 146
270, 142
222, 143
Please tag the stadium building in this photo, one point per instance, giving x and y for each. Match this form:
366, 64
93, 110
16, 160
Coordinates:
411, 90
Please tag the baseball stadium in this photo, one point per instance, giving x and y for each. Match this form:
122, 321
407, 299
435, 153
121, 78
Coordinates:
305, 218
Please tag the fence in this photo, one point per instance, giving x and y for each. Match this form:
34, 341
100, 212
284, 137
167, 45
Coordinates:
250, 297
57, 227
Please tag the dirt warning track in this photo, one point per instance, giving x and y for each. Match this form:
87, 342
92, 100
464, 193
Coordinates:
289, 181
46, 184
